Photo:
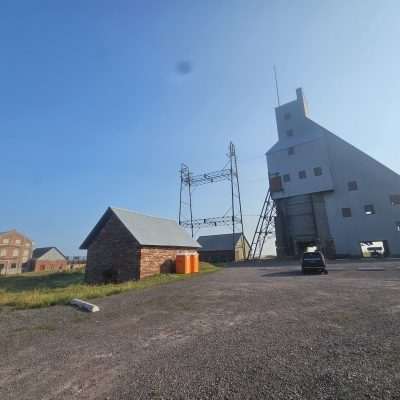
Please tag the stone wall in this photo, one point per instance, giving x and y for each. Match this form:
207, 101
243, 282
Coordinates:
15, 252
155, 260
113, 256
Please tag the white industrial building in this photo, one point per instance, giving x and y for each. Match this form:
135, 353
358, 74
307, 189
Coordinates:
327, 192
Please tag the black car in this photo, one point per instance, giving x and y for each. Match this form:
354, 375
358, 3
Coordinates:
313, 262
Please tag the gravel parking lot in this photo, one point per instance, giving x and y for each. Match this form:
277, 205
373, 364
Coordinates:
264, 331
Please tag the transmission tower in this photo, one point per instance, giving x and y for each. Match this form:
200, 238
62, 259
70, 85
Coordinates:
232, 217
264, 229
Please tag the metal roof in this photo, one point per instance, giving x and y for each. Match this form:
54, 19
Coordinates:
147, 230
41, 251
218, 242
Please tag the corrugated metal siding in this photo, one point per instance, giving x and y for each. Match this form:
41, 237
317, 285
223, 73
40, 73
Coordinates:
299, 216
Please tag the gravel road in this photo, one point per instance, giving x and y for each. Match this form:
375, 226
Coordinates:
242, 333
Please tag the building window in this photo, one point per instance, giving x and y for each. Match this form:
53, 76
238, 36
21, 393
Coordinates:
13, 266
291, 151
17, 241
398, 226
6, 241
395, 199
352, 185
317, 171
15, 253
302, 174
1, 267
289, 132
369, 209
275, 183
346, 212
287, 116
27, 245
3, 252
26, 252
286, 178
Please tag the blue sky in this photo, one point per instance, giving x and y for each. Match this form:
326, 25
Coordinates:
93, 112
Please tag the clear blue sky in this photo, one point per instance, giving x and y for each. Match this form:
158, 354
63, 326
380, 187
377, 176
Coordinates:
93, 112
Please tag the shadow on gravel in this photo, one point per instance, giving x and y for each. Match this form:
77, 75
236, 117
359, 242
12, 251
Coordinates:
282, 273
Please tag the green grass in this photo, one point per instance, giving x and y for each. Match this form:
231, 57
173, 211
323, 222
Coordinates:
33, 290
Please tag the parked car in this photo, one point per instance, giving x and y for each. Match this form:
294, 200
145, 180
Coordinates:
313, 262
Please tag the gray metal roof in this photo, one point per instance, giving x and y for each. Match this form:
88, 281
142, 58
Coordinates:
147, 230
218, 242
41, 251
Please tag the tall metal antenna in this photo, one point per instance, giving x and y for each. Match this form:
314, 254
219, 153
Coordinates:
276, 85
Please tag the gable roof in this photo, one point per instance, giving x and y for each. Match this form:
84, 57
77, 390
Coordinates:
147, 230
15, 231
219, 242
41, 251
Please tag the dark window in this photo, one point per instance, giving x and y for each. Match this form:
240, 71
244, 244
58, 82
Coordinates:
286, 178
369, 209
317, 171
287, 116
1, 266
311, 256
302, 174
395, 199
291, 151
289, 132
346, 212
352, 185
398, 226
13, 265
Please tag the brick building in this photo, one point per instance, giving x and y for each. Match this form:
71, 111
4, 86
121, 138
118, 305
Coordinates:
48, 259
125, 245
15, 252
223, 248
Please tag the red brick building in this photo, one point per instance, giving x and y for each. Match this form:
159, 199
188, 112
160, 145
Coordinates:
15, 252
48, 259
125, 245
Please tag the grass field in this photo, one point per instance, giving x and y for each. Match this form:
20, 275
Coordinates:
33, 290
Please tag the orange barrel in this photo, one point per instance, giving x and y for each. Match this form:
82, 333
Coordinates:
182, 263
194, 262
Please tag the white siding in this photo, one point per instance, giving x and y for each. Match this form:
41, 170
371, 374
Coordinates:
314, 146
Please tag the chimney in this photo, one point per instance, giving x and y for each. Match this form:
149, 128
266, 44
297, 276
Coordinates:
302, 101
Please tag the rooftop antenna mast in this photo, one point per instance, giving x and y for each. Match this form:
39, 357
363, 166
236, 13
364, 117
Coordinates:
276, 86
266, 222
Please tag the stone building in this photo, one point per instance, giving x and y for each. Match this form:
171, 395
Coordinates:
125, 245
15, 252
48, 259
223, 248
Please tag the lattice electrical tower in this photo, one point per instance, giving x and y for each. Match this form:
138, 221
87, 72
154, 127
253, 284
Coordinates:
264, 229
232, 217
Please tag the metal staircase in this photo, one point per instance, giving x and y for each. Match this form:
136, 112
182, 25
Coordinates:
265, 227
